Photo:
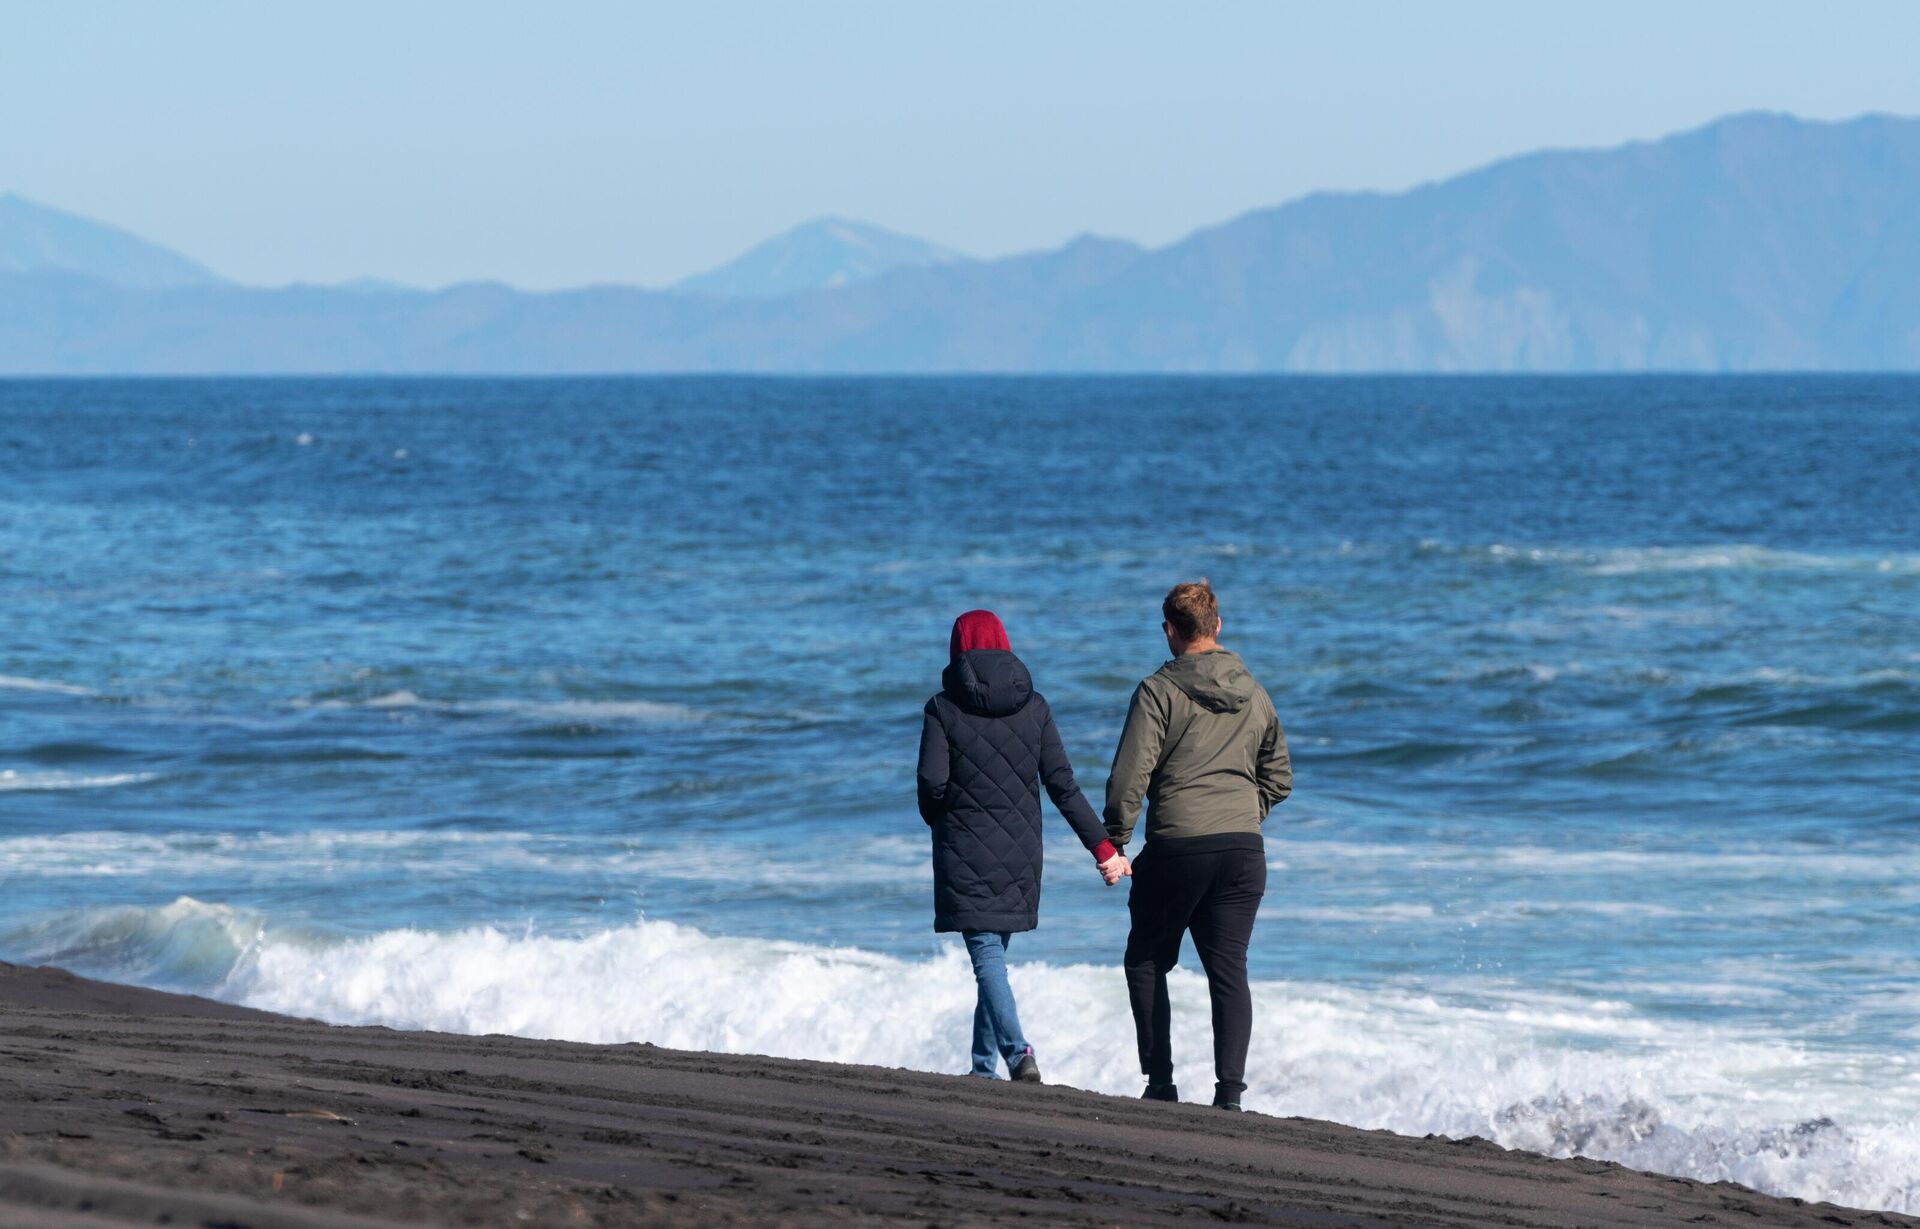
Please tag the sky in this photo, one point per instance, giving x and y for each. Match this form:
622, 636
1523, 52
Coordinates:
575, 142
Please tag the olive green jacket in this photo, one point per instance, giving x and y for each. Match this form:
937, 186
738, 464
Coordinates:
1203, 748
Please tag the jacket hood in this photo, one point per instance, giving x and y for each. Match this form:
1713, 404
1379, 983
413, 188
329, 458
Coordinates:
1217, 681
990, 682
977, 629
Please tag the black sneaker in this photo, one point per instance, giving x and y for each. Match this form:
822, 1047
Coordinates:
1220, 1104
1161, 1092
1027, 1071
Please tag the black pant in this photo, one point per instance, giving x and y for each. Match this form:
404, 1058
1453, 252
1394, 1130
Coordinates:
1211, 886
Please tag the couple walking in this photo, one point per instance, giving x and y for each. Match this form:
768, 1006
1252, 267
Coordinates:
1203, 749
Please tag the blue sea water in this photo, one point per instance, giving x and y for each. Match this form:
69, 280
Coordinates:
587, 709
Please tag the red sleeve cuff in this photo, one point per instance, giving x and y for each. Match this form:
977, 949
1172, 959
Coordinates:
1103, 851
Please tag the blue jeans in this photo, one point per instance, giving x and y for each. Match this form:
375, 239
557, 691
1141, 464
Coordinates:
996, 1023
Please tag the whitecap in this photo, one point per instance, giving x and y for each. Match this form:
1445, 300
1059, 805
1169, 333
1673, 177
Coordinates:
13, 682
566, 710
1351, 913
303, 857
1741, 556
1735, 556
1901, 866
15, 781
588, 710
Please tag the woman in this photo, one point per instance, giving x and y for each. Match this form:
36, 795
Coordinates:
987, 743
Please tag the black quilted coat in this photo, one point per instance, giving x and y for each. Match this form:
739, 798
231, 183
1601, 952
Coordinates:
986, 745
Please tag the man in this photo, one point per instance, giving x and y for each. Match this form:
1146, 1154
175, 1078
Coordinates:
1203, 747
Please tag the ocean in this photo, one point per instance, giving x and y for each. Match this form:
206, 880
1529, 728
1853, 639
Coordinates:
587, 709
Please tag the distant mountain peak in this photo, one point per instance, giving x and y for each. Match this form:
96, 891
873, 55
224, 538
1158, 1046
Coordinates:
817, 255
36, 238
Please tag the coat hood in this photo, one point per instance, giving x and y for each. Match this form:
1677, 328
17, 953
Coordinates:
990, 682
1217, 681
977, 629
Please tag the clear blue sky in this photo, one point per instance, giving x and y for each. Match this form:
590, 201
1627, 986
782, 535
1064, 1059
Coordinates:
572, 142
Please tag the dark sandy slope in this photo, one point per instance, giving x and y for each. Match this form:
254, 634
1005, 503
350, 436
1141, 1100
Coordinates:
124, 1107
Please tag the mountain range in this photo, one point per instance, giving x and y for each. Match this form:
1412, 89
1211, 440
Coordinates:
820, 255
36, 239
1758, 242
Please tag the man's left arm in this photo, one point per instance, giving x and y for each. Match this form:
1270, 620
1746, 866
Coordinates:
1274, 772
1134, 761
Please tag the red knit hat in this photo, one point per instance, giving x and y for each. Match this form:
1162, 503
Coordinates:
977, 629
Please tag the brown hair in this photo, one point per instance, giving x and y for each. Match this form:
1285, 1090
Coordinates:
1192, 610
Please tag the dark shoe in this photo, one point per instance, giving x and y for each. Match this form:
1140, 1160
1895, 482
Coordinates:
1226, 1105
1161, 1092
1026, 1071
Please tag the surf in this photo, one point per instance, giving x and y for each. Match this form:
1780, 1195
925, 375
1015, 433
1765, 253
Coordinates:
1554, 1073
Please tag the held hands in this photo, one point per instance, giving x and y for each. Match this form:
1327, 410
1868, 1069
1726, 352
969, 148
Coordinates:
1116, 868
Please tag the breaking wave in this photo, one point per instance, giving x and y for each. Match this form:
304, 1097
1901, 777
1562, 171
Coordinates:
1557, 1074
12, 780
547, 710
298, 857
14, 682
1736, 556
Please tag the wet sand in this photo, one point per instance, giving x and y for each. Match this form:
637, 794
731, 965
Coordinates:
121, 1106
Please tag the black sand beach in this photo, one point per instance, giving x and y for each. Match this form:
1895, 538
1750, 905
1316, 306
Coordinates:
121, 1106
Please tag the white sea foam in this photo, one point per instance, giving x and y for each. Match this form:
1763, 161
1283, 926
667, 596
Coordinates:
1773, 676
1538, 672
305, 856
1352, 913
14, 682
1800, 864
977, 559
1551, 1072
393, 699
1627, 562
1739, 556
589, 710
607, 711
14, 781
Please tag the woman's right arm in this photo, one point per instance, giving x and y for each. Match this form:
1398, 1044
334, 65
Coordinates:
935, 768
1056, 773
